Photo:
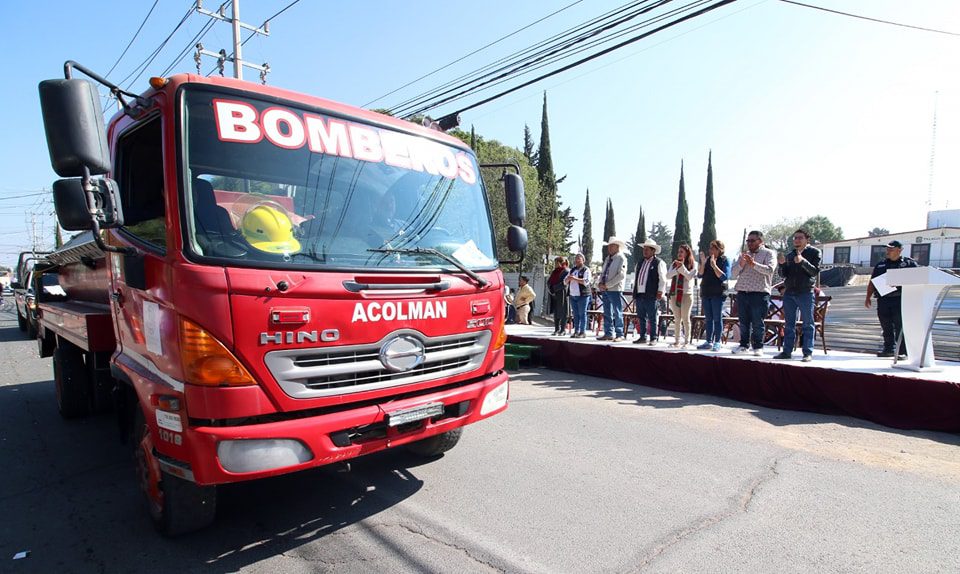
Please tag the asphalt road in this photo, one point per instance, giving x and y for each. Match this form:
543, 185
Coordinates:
579, 475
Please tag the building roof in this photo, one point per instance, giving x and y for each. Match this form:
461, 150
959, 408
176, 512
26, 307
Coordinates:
881, 237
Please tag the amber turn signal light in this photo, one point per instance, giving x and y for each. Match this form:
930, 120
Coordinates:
206, 361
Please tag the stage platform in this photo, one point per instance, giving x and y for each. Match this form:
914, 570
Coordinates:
839, 383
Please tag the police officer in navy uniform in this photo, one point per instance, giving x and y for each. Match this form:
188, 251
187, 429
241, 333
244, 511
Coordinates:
888, 306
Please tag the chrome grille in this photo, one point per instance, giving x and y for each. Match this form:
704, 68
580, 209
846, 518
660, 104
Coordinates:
308, 373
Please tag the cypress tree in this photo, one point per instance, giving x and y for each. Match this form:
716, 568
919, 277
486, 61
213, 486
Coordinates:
473, 139
609, 225
709, 232
639, 236
586, 244
57, 237
548, 206
681, 226
528, 151
545, 173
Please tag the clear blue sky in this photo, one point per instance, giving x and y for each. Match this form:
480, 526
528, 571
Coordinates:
806, 113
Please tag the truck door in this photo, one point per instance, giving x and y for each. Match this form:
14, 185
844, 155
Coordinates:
137, 289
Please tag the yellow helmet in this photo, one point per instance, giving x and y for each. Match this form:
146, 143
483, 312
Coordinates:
269, 229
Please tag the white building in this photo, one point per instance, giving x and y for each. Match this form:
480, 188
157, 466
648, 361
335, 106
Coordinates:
937, 247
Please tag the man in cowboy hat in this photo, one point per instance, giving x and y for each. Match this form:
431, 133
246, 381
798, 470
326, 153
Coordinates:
649, 283
611, 285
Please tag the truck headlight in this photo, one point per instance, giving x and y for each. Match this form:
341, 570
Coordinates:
261, 454
495, 399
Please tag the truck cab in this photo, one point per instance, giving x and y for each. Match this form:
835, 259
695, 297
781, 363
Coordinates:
288, 282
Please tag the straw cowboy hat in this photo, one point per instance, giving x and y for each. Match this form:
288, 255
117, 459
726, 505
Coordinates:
649, 243
616, 240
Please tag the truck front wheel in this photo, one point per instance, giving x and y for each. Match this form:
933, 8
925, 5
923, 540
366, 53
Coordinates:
70, 380
176, 506
436, 445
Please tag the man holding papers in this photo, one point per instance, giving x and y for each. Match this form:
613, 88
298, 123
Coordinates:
888, 298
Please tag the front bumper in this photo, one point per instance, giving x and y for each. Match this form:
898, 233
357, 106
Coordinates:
336, 436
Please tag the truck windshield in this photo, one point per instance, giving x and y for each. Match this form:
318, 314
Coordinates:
274, 185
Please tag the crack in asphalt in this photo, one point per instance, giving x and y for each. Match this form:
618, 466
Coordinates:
739, 506
466, 551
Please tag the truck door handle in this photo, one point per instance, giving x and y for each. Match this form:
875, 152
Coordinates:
117, 296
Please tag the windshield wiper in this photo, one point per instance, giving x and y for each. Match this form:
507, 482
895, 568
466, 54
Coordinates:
431, 251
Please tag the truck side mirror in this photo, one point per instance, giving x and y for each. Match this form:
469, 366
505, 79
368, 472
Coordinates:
516, 238
16, 285
516, 200
74, 211
73, 121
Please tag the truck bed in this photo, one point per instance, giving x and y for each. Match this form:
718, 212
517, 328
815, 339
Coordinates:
87, 325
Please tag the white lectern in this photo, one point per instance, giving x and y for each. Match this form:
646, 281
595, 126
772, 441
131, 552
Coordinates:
921, 290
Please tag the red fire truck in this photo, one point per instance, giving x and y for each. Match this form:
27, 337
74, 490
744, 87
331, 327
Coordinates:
268, 282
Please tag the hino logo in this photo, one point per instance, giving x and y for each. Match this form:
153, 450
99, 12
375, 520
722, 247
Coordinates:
290, 337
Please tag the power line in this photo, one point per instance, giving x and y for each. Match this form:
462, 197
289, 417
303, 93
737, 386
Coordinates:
564, 38
460, 59
153, 56
557, 55
27, 195
682, 19
130, 43
191, 44
871, 19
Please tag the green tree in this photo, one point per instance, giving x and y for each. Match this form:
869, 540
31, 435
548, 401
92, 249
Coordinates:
638, 237
473, 138
57, 237
779, 236
709, 232
878, 231
661, 234
822, 230
550, 210
528, 146
609, 224
568, 220
586, 242
545, 173
682, 223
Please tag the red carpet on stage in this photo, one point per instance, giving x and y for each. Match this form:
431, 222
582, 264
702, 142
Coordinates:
905, 402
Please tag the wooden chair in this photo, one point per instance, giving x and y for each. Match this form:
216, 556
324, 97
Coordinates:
732, 320
595, 315
698, 323
629, 314
775, 325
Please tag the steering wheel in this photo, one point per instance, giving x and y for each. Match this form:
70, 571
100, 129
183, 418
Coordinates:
231, 245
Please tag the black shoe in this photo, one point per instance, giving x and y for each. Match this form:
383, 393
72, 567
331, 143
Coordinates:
807, 358
782, 355
885, 354
640, 340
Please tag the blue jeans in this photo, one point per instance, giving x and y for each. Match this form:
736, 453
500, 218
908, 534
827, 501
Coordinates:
713, 317
793, 302
647, 317
612, 314
579, 305
752, 309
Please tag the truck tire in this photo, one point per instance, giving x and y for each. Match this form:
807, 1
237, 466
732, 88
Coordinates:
31, 329
176, 506
436, 445
21, 321
71, 382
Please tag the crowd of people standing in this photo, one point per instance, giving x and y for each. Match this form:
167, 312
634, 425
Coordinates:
657, 284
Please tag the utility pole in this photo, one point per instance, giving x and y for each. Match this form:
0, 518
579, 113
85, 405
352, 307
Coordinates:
235, 58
